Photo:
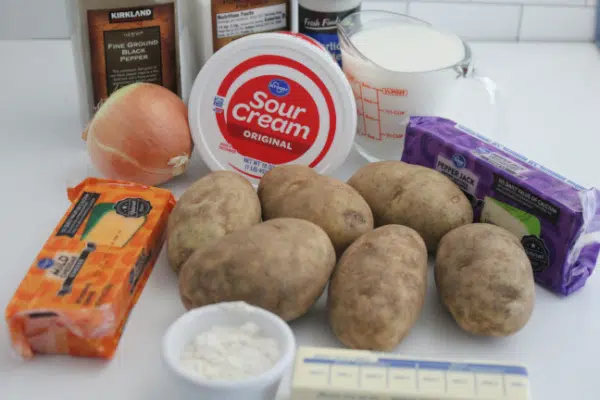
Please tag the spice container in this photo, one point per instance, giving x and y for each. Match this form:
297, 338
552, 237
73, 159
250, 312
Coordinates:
319, 19
119, 42
219, 22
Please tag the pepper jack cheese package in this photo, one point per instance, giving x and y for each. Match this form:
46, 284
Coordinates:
557, 220
77, 295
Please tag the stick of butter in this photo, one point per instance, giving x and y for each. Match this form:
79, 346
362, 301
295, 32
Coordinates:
327, 374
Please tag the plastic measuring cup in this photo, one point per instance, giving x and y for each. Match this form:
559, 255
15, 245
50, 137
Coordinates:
388, 96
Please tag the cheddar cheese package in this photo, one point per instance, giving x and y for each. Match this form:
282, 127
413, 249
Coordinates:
80, 289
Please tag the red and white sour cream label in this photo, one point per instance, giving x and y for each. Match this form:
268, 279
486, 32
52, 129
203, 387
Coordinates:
272, 99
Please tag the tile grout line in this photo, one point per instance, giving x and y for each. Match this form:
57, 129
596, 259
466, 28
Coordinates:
517, 35
520, 26
585, 5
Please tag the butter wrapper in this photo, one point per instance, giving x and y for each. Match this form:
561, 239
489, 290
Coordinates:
557, 220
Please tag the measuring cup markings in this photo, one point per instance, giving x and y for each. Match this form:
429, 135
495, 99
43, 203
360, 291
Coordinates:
367, 95
420, 76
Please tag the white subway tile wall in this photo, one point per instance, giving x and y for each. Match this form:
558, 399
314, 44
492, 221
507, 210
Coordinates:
558, 23
537, 2
395, 6
506, 20
470, 20
34, 19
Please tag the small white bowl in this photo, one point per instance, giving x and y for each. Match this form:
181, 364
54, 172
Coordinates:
199, 320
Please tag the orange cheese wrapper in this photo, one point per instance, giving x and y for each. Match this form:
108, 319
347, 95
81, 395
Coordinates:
79, 291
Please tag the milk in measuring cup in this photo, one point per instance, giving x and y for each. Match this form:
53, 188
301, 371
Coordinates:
407, 70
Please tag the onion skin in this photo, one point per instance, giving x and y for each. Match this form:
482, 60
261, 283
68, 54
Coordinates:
140, 134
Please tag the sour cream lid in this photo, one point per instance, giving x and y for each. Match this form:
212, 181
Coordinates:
271, 99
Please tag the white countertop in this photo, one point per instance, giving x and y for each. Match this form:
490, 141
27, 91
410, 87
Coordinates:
553, 93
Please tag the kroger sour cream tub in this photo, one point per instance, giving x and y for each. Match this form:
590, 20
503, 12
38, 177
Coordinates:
272, 99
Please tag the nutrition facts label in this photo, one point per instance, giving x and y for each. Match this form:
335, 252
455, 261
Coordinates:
247, 22
501, 162
381, 377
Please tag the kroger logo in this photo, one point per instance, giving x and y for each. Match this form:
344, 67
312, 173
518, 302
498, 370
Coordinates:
279, 87
459, 161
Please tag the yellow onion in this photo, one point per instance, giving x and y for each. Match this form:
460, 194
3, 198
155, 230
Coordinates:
140, 134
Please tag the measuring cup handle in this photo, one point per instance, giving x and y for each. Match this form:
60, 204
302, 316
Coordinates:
495, 95
490, 87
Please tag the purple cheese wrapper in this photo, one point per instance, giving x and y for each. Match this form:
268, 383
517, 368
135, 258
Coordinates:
557, 220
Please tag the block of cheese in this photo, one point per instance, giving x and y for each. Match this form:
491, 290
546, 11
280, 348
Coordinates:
517, 221
557, 220
107, 227
324, 373
77, 294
